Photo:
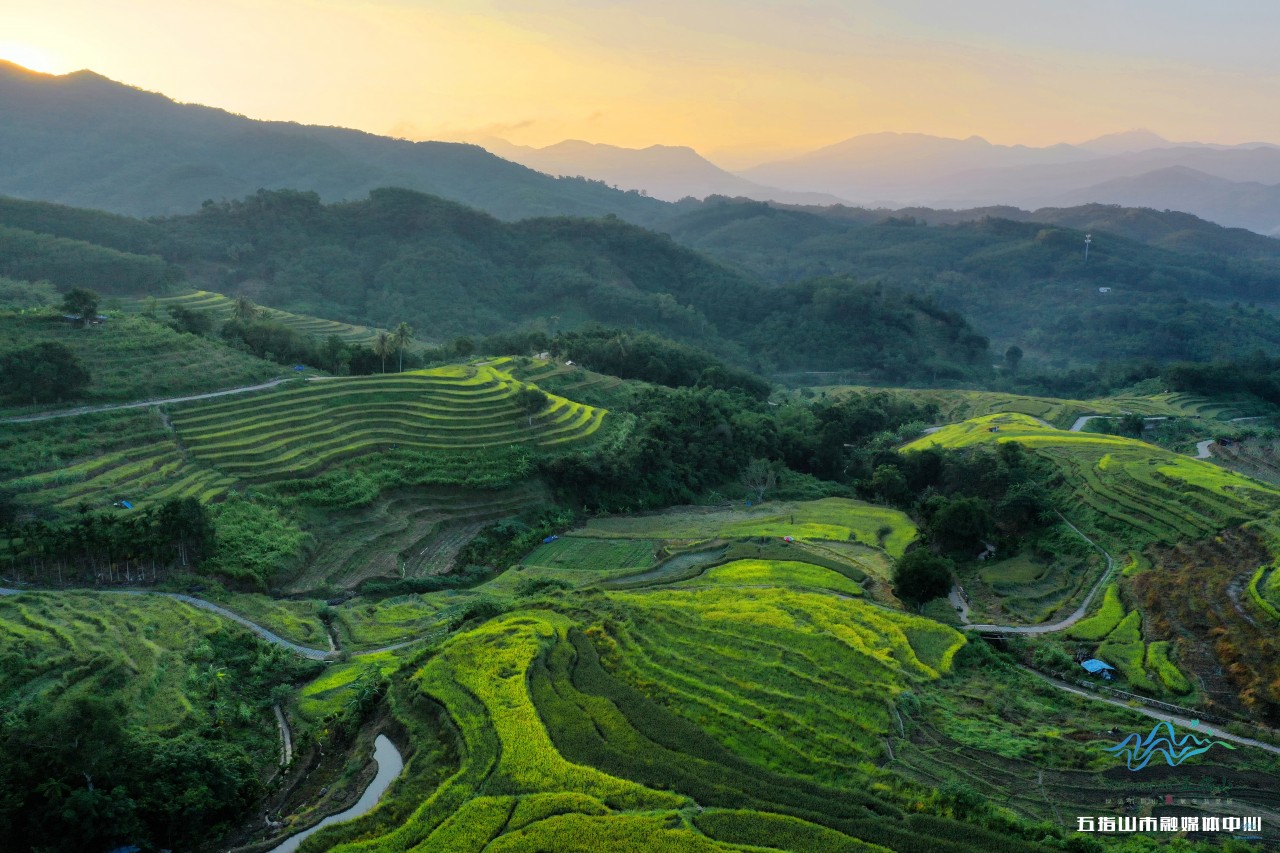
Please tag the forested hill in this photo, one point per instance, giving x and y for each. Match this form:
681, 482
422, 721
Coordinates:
81, 139
1179, 288
450, 271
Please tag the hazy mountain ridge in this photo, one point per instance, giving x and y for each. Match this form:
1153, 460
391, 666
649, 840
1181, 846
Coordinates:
668, 172
81, 139
1130, 168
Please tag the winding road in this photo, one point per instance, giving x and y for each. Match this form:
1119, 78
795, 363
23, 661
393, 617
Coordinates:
159, 401
1185, 722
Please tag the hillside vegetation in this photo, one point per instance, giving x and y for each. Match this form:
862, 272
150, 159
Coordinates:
1127, 492
447, 270
170, 158
1019, 282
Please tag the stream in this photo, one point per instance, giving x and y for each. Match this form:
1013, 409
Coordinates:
389, 762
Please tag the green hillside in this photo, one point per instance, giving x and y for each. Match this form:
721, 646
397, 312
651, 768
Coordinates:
451, 271
113, 687
955, 406
297, 432
170, 158
1128, 493
1020, 282
131, 358
222, 308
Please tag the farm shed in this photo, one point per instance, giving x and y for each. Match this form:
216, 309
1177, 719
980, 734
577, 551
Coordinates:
1093, 666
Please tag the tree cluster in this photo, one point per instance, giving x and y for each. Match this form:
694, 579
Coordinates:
124, 546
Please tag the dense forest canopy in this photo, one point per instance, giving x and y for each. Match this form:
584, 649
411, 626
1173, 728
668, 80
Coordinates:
1175, 290
450, 271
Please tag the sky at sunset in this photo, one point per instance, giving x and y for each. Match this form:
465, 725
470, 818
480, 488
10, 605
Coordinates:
740, 80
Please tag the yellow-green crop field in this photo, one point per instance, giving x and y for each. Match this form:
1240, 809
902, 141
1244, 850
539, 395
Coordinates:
826, 520
956, 406
765, 707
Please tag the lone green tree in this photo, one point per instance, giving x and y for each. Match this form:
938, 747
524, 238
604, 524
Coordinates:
464, 347
383, 346
81, 302
921, 576
1013, 357
404, 336
531, 401
759, 477
43, 373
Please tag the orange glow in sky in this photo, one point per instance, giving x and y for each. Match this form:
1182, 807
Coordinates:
737, 79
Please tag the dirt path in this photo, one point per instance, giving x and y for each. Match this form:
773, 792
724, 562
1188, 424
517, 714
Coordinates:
1052, 627
286, 737
143, 404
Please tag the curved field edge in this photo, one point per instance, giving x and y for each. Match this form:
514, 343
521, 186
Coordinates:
555, 745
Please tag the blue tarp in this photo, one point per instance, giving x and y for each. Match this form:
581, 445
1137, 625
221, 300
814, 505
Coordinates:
126, 504
1094, 665
549, 540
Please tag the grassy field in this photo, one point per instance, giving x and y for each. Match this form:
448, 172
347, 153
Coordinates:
1125, 492
956, 406
222, 307
827, 520
134, 358
300, 430
1029, 588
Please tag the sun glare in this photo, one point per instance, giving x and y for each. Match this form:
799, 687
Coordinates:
30, 57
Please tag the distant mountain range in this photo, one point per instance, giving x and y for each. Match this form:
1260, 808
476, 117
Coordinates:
1231, 185
667, 172
1234, 185
84, 140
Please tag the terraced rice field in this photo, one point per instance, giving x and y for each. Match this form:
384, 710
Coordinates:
96, 460
1127, 492
221, 307
295, 431
406, 534
1254, 457
299, 431
1030, 589
956, 406
578, 738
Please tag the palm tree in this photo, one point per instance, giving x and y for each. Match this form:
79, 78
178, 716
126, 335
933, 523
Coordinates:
403, 335
383, 347
245, 310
